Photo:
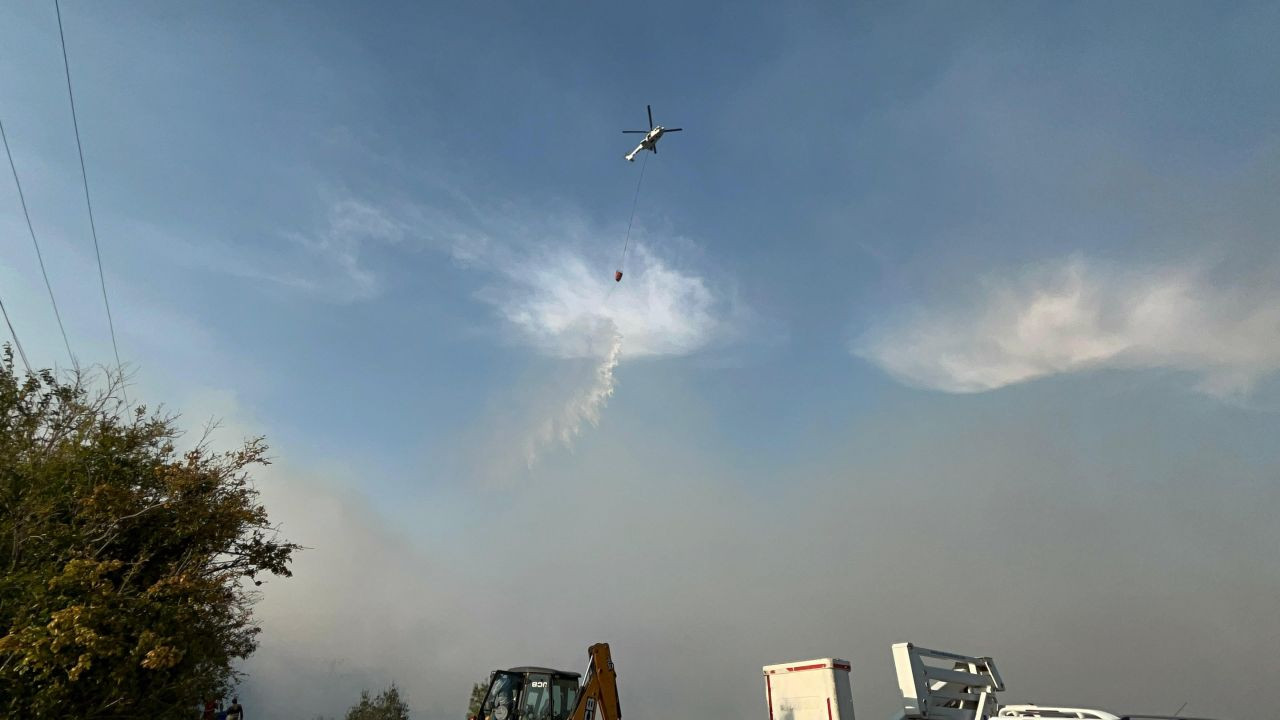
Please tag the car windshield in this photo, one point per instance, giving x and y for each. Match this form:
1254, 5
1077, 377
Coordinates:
503, 692
537, 698
564, 693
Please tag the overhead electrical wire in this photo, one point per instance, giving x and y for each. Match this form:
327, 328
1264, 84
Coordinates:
13, 333
39, 256
84, 176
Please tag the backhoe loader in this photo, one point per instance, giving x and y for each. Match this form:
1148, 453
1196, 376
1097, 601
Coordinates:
539, 693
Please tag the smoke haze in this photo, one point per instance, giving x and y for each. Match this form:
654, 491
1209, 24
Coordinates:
984, 531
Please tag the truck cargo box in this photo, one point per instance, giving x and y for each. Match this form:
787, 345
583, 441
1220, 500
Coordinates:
809, 690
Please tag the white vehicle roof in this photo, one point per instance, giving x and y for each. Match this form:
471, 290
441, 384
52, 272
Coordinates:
802, 665
1039, 711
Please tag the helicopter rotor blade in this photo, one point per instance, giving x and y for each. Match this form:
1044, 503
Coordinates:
642, 132
672, 129
650, 109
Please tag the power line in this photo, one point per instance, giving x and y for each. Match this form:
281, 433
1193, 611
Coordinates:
39, 255
22, 353
85, 177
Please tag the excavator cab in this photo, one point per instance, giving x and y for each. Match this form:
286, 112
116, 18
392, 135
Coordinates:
538, 693
530, 693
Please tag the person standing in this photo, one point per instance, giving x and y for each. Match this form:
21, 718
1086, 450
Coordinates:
235, 712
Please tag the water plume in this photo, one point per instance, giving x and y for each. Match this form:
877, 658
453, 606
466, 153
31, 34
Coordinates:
586, 402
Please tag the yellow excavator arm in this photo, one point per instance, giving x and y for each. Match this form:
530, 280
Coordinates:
599, 693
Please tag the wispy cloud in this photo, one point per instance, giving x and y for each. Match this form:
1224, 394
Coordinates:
328, 261
1078, 315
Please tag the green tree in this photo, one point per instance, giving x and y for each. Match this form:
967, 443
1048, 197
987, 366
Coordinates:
478, 692
387, 706
128, 568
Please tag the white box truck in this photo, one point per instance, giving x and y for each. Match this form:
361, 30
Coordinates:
809, 690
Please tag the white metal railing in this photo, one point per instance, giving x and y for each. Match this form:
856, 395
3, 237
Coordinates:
939, 685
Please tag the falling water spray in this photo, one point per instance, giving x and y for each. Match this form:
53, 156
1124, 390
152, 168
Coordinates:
586, 402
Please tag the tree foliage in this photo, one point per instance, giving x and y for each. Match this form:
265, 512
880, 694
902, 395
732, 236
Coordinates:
128, 567
478, 691
387, 706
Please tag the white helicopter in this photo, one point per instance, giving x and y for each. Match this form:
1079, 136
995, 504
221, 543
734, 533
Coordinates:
651, 137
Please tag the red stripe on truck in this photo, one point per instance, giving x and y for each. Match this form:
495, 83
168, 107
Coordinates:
811, 666
768, 688
828, 708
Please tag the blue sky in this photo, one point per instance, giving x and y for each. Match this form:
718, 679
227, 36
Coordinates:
957, 297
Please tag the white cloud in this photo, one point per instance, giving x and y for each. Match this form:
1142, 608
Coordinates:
565, 303
1078, 315
657, 309
561, 299
550, 279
